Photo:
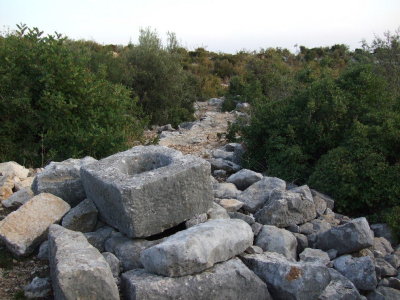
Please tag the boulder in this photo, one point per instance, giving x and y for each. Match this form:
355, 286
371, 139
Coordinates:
314, 256
249, 219
347, 238
219, 153
390, 282
227, 280
393, 259
225, 190
215, 101
237, 150
114, 263
38, 288
359, 270
63, 180
82, 217
148, 189
383, 230
98, 238
256, 227
384, 269
18, 198
287, 280
231, 205
25, 228
384, 293
244, 178
340, 288
198, 248
217, 212
24, 183
43, 253
286, 208
274, 239
256, 195
330, 203
6, 187
222, 164
302, 242
382, 246
13, 169
78, 270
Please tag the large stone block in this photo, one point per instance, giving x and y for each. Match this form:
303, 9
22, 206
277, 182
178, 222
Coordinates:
25, 228
78, 270
228, 280
146, 190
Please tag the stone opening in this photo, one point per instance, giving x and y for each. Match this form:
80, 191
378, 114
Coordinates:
144, 163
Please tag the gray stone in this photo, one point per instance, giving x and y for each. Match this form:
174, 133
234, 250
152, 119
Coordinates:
320, 226
332, 253
63, 180
13, 169
225, 191
383, 230
384, 293
186, 125
314, 256
340, 288
215, 101
293, 228
114, 263
196, 220
43, 253
219, 153
167, 127
128, 251
382, 245
330, 203
347, 238
26, 228
98, 237
256, 195
287, 280
198, 248
227, 280
231, 205
384, 269
18, 198
286, 208
219, 173
306, 228
78, 270
394, 260
82, 217
242, 106
359, 270
148, 189
302, 242
222, 164
238, 151
391, 282
38, 288
254, 250
247, 218
256, 227
244, 178
274, 239
217, 212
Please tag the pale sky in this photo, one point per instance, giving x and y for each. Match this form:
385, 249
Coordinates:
218, 25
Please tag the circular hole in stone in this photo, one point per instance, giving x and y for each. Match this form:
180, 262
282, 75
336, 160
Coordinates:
144, 163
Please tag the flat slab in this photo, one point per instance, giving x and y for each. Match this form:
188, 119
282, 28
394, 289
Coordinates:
25, 228
148, 189
228, 280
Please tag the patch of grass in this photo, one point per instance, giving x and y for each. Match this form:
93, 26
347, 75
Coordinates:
6, 259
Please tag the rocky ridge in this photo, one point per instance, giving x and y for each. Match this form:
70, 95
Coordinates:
240, 234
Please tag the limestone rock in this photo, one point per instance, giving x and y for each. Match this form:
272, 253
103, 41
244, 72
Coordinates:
63, 180
330, 203
18, 198
359, 270
13, 169
384, 293
98, 238
302, 242
226, 190
244, 178
201, 218
256, 195
148, 189
347, 238
249, 219
227, 280
82, 217
384, 269
222, 164
114, 263
6, 187
24, 183
315, 256
340, 288
198, 248
274, 239
219, 153
231, 205
383, 230
25, 228
382, 245
78, 270
217, 212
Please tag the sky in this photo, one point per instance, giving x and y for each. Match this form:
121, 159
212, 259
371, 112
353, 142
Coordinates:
217, 25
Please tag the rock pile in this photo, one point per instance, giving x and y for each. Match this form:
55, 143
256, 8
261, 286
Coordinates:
151, 223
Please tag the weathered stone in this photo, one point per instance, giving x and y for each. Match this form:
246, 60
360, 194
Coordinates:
238, 151
226, 191
217, 212
391, 282
167, 127
332, 253
247, 218
198, 248
114, 263
293, 228
359, 270
82, 217
243, 106
18, 198
227, 280
13, 169
314, 256
340, 288
256, 227
78, 270
285, 208
43, 253
222, 164
201, 218
25, 228
215, 101
6, 187
256, 195
254, 250
219, 173
219, 153
38, 288
244, 178
383, 230
393, 259
63, 180
231, 205
98, 237
306, 228
274, 239
302, 242
128, 250
382, 245
320, 226
383, 268
24, 183
347, 238
148, 189
384, 293
330, 203
288, 280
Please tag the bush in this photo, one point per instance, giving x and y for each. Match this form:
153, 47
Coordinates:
52, 107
